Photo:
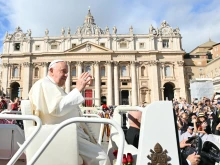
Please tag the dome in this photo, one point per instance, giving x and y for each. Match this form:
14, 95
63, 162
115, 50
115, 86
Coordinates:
89, 26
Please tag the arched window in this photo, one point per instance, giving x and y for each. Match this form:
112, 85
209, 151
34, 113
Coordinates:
102, 71
36, 72
88, 69
123, 71
74, 71
142, 71
15, 72
167, 71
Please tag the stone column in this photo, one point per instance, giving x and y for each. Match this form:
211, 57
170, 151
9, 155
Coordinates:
181, 79
79, 63
154, 81
148, 96
162, 92
134, 83
97, 84
109, 83
9, 92
67, 84
20, 90
44, 65
26, 79
116, 83
5, 73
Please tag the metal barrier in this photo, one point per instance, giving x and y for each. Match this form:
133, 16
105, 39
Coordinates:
29, 139
85, 120
101, 128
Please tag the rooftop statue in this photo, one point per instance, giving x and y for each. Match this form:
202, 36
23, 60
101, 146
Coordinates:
114, 30
63, 31
46, 32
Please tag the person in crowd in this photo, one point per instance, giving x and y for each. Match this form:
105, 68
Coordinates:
212, 121
132, 135
200, 125
15, 105
189, 133
50, 102
183, 122
192, 159
3, 104
217, 130
106, 128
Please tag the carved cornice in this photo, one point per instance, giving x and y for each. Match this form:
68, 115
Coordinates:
180, 63
108, 62
27, 64
133, 62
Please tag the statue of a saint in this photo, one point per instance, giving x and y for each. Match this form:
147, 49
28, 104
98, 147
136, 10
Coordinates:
68, 31
131, 30
107, 30
78, 30
46, 32
29, 33
63, 31
114, 30
97, 31
6, 35
151, 29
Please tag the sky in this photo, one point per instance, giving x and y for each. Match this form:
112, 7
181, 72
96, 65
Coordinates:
198, 20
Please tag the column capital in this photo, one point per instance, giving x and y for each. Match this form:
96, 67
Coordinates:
180, 63
133, 62
79, 62
96, 63
68, 62
162, 88
153, 62
116, 63
44, 64
5, 65
109, 62
27, 64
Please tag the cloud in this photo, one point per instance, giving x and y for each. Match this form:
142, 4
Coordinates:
197, 20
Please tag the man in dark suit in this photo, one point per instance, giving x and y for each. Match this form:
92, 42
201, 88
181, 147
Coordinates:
192, 159
212, 121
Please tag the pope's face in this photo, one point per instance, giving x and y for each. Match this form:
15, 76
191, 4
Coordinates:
59, 73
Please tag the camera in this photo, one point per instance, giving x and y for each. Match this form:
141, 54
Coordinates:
217, 93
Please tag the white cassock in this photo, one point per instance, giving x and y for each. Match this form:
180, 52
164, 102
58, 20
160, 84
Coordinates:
56, 106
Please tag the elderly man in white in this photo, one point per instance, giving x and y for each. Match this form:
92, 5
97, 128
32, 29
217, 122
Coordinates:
50, 102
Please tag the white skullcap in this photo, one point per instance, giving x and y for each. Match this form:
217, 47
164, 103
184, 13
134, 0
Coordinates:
54, 62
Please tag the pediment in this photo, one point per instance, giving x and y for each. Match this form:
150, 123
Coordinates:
88, 47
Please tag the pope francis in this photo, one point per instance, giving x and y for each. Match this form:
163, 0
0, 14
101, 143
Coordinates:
50, 102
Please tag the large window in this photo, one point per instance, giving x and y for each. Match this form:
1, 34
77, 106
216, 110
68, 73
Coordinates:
167, 71
36, 72
74, 71
142, 71
123, 71
165, 43
102, 71
88, 69
15, 72
17, 47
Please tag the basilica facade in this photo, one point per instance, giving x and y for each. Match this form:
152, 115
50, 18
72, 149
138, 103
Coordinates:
126, 69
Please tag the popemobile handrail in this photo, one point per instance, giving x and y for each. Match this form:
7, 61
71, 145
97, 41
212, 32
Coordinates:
85, 120
131, 108
102, 126
10, 111
29, 139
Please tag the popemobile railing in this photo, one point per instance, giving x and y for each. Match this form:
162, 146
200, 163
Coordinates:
10, 112
29, 139
85, 120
